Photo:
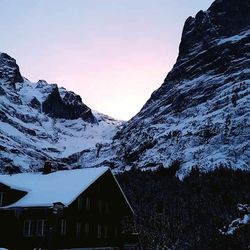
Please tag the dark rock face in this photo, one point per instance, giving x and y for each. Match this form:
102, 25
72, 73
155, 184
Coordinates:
72, 98
2, 92
231, 16
34, 103
9, 70
223, 18
70, 107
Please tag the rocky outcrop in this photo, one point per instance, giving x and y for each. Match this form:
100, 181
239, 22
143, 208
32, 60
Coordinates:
70, 107
223, 18
9, 70
34, 103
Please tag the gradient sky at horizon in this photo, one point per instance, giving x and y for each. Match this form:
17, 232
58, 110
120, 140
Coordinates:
113, 53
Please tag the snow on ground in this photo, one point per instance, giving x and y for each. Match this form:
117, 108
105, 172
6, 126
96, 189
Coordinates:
84, 136
29, 90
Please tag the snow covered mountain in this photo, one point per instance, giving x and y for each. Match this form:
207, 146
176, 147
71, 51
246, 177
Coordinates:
200, 116
39, 121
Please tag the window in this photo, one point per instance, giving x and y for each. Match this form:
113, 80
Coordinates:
63, 227
99, 187
106, 207
79, 202
100, 206
28, 228
86, 229
87, 203
105, 231
78, 229
2, 194
116, 231
41, 227
99, 231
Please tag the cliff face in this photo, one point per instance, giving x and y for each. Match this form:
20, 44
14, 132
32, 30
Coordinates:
68, 107
200, 116
223, 18
9, 70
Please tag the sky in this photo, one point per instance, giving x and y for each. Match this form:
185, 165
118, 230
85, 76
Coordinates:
113, 53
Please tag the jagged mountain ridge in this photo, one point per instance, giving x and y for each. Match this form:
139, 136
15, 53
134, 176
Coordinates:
200, 116
39, 121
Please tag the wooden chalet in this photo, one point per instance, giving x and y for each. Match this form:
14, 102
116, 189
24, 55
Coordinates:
73, 209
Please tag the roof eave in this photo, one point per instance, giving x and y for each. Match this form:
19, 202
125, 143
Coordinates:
124, 196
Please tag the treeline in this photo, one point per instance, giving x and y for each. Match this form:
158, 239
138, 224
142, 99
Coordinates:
187, 214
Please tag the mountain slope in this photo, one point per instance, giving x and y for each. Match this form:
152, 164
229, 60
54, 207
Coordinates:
39, 121
200, 116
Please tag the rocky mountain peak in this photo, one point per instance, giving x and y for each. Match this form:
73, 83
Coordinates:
41, 95
69, 107
224, 18
9, 70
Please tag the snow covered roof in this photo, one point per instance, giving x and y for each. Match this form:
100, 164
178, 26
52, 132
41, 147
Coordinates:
44, 190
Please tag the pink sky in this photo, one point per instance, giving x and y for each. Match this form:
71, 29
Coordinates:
114, 53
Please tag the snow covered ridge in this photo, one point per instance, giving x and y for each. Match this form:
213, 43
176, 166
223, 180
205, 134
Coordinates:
29, 135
